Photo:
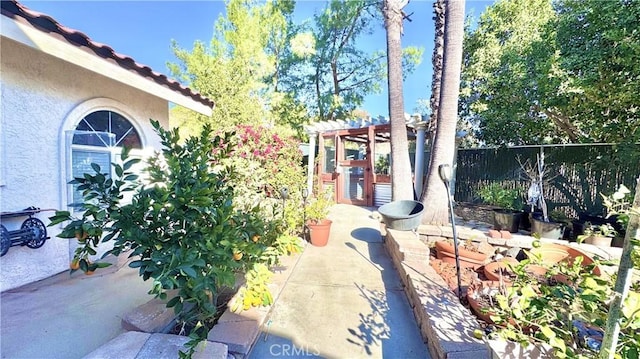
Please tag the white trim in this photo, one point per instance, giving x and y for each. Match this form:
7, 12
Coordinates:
333, 125
90, 106
34, 38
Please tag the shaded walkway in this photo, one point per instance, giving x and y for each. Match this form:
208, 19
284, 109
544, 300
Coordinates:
344, 300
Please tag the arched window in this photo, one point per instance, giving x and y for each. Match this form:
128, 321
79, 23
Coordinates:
106, 122
98, 138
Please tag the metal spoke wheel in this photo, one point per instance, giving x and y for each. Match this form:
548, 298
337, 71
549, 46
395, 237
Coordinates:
5, 241
38, 234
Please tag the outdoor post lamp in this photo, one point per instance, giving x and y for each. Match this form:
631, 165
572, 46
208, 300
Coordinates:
445, 174
305, 195
284, 194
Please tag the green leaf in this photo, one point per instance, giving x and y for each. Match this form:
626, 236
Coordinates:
590, 283
171, 303
84, 265
547, 332
128, 164
559, 344
188, 270
96, 167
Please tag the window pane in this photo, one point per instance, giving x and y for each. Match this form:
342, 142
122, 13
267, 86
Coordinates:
108, 121
353, 183
329, 155
81, 161
354, 150
90, 138
97, 121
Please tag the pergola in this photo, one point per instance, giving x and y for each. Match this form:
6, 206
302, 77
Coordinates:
347, 154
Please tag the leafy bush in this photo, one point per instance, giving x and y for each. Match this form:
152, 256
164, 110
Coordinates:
187, 228
565, 309
101, 196
496, 195
571, 308
265, 164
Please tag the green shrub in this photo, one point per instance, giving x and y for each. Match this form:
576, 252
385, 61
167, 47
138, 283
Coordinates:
549, 310
265, 163
187, 227
496, 195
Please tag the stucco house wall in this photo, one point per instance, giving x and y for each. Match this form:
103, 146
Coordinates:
42, 97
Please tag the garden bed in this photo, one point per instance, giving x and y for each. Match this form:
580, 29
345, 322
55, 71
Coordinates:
447, 324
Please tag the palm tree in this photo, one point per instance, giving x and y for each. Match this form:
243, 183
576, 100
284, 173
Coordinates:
401, 183
436, 59
435, 195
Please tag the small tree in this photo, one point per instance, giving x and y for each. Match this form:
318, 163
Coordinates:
182, 227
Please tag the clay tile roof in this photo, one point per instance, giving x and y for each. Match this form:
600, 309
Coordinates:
45, 23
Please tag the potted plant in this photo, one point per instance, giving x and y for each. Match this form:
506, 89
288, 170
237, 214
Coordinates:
599, 235
541, 224
317, 211
506, 216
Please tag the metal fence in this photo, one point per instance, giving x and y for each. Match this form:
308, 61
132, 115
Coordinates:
577, 174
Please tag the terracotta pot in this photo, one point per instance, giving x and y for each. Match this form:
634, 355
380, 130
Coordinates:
554, 253
319, 232
586, 259
492, 270
536, 270
551, 253
600, 241
468, 259
473, 293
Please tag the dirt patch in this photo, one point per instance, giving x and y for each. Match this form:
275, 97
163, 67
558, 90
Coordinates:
448, 272
474, 212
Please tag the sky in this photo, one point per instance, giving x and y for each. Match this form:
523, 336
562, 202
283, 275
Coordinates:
144, 30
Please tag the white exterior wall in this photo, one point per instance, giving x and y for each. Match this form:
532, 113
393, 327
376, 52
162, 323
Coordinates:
39, 96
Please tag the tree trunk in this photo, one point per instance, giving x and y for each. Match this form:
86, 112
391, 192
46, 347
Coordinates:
318, 94
401, 182
435, 198
436, 60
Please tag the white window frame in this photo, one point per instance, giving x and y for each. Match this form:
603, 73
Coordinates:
71, 122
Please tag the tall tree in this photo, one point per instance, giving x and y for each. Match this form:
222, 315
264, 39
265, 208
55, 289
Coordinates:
335, 77
435, 194
401, 184
599, 46
334, 74
436, 60
509, 88
237, 68
554, 72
